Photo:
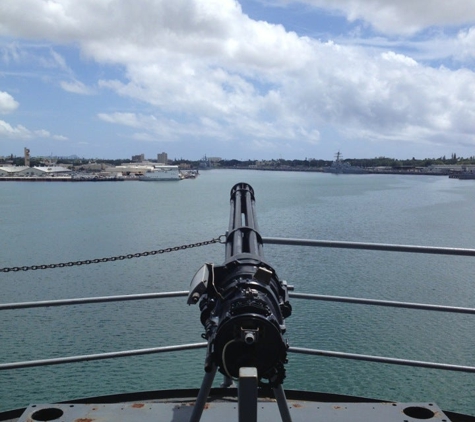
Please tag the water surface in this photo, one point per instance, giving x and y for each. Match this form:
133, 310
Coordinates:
42, 223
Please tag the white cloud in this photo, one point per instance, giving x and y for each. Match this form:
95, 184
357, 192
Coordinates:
402, 16
59, 60
9, 132
20, 132
59, 137
7, 103
466, 43
42, 133
265, 83
10, 53
76, 87
126, 119
142, 136
206, 70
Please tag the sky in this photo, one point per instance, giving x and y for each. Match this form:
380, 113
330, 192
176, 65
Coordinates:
249, 79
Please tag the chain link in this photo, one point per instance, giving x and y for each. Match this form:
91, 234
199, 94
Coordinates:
219, 239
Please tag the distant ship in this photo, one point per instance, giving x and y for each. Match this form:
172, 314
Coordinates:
161, 173
338, 166
464, 175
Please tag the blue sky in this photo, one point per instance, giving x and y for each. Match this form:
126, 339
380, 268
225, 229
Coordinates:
255, 79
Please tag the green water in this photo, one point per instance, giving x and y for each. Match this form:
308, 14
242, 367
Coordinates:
61, 222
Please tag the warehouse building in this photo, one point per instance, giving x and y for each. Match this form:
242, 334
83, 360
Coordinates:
24, 171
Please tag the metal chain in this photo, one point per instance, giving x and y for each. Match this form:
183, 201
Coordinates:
113, 258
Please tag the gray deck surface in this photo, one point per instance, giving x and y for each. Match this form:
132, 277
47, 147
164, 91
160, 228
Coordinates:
180, 411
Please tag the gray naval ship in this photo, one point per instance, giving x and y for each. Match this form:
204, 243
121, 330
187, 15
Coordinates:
243, 306
338, 166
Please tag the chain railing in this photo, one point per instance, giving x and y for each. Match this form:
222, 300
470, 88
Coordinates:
112, 258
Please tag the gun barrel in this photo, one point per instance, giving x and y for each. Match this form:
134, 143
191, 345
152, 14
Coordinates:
243, 234
243, 303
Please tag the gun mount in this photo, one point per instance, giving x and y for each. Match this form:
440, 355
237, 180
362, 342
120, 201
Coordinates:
243, 303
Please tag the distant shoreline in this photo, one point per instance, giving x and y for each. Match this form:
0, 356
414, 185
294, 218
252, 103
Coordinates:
57, 179
113, 179
366, 172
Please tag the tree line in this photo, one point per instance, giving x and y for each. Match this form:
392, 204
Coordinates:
273, 163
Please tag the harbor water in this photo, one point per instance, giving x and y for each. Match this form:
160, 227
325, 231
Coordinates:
45, 223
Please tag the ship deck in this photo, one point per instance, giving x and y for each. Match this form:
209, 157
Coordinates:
177, 406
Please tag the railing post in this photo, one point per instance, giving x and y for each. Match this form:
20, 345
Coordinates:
247, 395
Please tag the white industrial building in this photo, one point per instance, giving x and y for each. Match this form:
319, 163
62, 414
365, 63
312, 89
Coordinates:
452, 168
131, 169
24, 171
11, 171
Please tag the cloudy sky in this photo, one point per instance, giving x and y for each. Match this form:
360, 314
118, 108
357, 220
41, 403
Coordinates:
248, 79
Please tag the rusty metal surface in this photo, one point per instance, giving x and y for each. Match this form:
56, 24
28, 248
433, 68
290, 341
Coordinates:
180, 411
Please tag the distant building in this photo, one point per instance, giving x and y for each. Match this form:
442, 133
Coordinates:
27, 157
162, 158
130, 169
24, 171
50, 171
11, 171
138, 158
92, 167
451, 168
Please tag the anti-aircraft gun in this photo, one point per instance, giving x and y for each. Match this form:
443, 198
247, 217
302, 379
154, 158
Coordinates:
243, 305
